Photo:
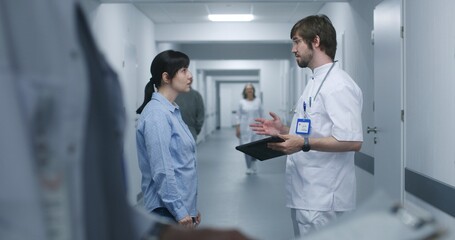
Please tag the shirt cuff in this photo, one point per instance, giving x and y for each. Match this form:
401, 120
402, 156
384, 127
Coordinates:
180, 213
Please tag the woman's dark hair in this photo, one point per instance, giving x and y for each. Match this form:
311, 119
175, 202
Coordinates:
168, 61
244, 91
317, 25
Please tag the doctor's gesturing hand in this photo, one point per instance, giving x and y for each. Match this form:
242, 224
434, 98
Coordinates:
270, 127
274, 127
293, 143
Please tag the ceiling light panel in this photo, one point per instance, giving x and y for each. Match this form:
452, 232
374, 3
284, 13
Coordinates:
229, 8
231, 17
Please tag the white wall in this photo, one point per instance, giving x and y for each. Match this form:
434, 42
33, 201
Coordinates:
126, 37
211, 111
355, 21
229, 96
430, 98
429, 95
226, 98
198, 84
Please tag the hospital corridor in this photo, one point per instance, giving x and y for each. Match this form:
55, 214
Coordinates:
213, 119
231, 198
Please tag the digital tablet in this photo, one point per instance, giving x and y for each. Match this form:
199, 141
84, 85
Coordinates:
259, 150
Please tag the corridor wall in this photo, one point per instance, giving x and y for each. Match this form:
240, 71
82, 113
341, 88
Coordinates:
430, 107
126, 37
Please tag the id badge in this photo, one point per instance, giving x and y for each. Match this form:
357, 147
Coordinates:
303, 126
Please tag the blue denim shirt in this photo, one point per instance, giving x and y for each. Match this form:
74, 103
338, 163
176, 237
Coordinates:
167, 159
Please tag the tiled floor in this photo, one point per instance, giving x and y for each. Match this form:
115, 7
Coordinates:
228, 198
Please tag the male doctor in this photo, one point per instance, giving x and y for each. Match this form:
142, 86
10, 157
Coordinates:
325, 131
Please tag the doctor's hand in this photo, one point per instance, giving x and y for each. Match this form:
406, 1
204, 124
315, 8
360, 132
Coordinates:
271, 127
291, 144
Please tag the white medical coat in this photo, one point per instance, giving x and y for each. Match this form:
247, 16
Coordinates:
325, 181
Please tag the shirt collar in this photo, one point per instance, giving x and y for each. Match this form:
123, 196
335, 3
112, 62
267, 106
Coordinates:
320, 72
160, 98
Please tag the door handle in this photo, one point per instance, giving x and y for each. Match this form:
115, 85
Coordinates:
374, 130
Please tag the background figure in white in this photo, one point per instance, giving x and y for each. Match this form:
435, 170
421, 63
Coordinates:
250, 108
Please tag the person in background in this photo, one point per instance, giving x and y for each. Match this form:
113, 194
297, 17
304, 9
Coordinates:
165, 146
192, 109
250, 108
325, 132
62, 128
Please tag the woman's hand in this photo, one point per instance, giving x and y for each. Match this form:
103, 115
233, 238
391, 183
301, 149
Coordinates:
198, 219
237, 131
186, 222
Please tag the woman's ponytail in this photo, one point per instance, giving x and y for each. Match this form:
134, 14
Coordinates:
147, 95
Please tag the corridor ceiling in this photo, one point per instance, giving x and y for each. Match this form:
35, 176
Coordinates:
196, 11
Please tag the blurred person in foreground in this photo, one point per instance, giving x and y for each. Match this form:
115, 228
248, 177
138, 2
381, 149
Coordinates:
62, 125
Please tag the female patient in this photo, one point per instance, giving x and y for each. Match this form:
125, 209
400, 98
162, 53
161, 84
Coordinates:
250, 108
166, 149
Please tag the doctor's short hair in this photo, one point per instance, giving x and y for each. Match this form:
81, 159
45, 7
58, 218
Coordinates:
312, 26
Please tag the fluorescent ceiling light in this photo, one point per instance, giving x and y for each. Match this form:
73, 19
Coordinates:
231, 17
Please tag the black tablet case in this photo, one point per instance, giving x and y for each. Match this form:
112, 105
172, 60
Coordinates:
259, 150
